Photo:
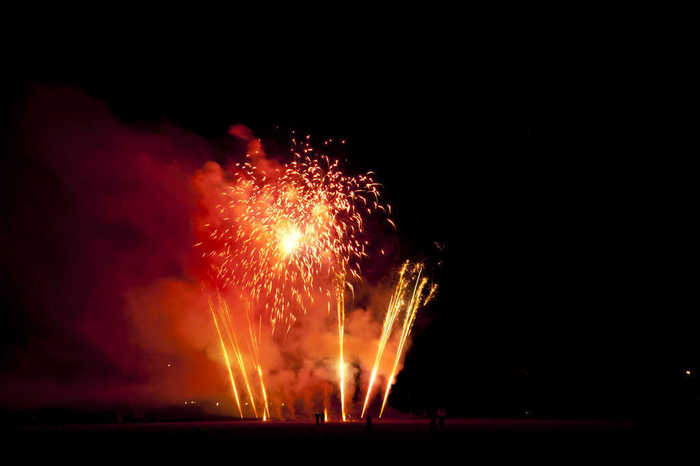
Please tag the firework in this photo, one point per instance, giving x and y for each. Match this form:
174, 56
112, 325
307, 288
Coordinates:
409, 299
392, 312
282, 238
340, 305
233, 340
228, 362
416, 302
279, 236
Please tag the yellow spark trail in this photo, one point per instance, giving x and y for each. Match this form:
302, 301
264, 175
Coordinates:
411, 310
256, 354
266, 407
341, 331
228, 363
237, 352
392, 312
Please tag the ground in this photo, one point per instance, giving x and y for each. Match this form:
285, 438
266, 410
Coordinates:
394, 440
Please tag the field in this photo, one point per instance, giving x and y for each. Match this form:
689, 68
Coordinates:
230, 441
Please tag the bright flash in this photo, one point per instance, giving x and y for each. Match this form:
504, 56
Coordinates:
280, 238
290, 240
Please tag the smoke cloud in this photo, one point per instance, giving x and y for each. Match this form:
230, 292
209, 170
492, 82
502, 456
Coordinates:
107, 298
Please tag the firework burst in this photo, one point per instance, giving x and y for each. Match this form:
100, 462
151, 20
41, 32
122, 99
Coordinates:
281, 236
285, 238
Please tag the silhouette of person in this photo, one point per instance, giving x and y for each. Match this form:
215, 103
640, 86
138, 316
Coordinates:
368, 422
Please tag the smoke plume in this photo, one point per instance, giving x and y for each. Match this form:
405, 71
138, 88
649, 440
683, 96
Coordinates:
107, 302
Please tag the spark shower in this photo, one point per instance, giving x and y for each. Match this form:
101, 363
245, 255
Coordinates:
279, 241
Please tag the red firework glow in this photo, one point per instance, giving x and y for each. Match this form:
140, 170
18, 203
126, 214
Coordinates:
277, 235
271, 314
280, 241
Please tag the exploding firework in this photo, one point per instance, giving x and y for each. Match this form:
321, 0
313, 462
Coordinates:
284, 238
281, 236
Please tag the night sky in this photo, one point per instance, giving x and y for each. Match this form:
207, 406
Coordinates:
562, 198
